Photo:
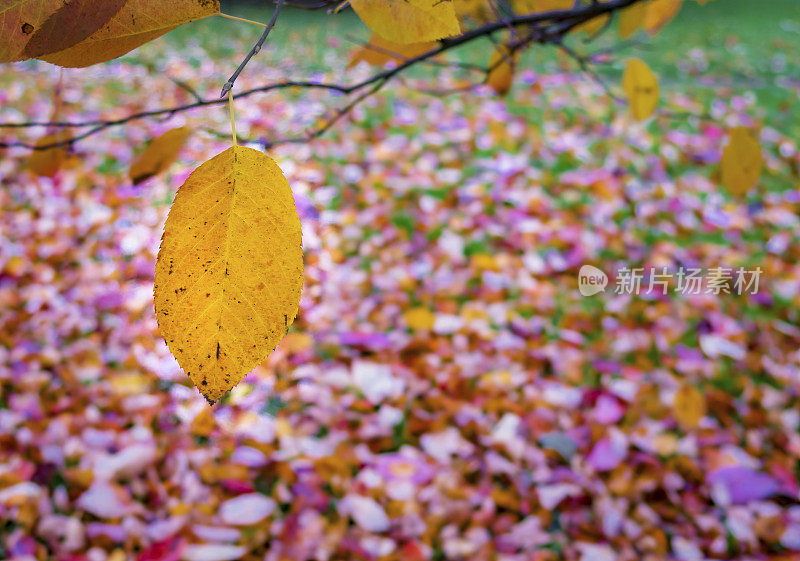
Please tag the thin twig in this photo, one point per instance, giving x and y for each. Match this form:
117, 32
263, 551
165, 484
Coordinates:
257, 47
544, 27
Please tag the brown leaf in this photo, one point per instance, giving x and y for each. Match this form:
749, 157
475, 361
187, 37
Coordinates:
48, 161
19, 20
158, 155
69, 25
135, 24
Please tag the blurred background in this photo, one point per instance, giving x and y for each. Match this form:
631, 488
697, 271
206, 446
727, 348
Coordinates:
446, 392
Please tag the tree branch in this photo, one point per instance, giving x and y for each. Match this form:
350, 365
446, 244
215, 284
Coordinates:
543, 28
257, 47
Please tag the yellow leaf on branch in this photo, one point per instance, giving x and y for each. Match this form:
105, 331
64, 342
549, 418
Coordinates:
379, 51
660, 13
641, 88
134, 25
741, 162
230, 268
631, 19
47, 162
159, 154
501, 70
408, 21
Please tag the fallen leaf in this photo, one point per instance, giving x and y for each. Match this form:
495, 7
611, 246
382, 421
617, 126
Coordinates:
419, 318
741, 162
689, 406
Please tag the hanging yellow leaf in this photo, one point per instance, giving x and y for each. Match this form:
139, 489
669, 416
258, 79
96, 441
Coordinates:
689, 407
159, 154
641, 87
134, 25
70, 24
660, 13
379, 51
408, 21
631, 19
741, 162
419, 318
47, 162
501, 73
230, 268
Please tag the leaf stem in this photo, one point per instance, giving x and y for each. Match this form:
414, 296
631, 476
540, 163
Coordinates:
258, 23
233, 121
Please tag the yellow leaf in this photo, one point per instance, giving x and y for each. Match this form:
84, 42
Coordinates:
501, 73
641, 87
158, 155
660, 13
230, 268
631, 19
419, 318
135, 24
48, 161
689, 406
484, 262
408, 21
70, 24
741, 162
379, 51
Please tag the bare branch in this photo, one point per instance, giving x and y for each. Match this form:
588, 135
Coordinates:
257, 47
543, 28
